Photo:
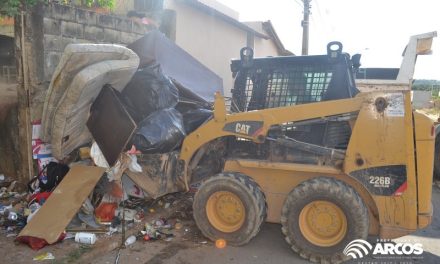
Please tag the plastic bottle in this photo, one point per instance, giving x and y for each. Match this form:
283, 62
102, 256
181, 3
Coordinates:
85, 238
130, 240
13, 216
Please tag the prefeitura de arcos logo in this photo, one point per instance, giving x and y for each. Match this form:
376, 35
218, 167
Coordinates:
360, 248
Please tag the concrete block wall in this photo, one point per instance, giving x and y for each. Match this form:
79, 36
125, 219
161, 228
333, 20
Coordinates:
67, 24
47, 30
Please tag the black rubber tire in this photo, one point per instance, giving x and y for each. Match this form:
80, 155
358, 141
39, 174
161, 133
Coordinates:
249, 193
327, 189
437, 159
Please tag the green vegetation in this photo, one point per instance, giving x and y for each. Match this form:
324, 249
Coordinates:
99, 3
12, 7
427, 85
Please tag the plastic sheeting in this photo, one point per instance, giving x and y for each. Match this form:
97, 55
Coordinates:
160, 132
156, 48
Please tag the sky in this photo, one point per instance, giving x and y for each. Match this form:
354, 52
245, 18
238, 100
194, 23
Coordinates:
378, 29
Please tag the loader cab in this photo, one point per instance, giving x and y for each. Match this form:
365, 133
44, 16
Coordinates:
270, 82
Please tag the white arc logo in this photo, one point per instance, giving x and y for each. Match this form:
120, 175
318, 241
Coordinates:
357, 248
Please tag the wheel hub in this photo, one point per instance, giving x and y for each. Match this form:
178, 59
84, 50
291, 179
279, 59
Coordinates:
323, 223
225, 211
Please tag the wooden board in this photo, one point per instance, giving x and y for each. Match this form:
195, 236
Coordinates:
59, 209
110, 124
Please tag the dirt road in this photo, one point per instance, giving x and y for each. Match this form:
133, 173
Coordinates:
268, 247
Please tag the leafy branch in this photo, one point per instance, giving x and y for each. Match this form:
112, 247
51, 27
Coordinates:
13, 7
99, 3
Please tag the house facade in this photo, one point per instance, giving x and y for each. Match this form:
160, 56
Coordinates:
208, 30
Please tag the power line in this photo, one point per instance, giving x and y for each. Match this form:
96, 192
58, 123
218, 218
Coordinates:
319, 9
299, 3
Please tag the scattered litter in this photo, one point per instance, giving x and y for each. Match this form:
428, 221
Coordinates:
105, 212
178, 226
56, 213
70, 236
86, 200
87, 207
31, 215
130, 240
12, 216
112, 230
84, 153
4, 208
159, 222
44, 256
129, 214
88, 220
220, 243
97, 156
85, 238
134, 165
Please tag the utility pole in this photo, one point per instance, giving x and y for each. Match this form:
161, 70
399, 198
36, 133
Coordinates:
305, 25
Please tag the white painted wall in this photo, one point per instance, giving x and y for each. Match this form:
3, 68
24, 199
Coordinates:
264, 47
211, 40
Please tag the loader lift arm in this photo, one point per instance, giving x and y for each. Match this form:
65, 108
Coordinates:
254, 125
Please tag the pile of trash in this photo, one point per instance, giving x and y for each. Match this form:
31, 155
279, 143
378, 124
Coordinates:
108, 145
14, 209
104, 212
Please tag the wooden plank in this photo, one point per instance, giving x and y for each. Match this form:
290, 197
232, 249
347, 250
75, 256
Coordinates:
56, 213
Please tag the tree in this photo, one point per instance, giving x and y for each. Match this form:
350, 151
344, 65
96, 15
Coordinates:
12, 7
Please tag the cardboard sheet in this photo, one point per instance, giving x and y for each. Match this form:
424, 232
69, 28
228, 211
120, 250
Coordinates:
56, 213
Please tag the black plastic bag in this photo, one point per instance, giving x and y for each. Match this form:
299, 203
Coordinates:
51, 175
160, 132
194, 118
148, 91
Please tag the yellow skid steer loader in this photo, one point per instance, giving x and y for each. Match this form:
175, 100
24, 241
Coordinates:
304, 148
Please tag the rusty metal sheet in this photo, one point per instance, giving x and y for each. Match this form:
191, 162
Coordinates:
110, 124
56, 213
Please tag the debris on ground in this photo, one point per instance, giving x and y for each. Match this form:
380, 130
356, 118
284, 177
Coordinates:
107, 149
44, 256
